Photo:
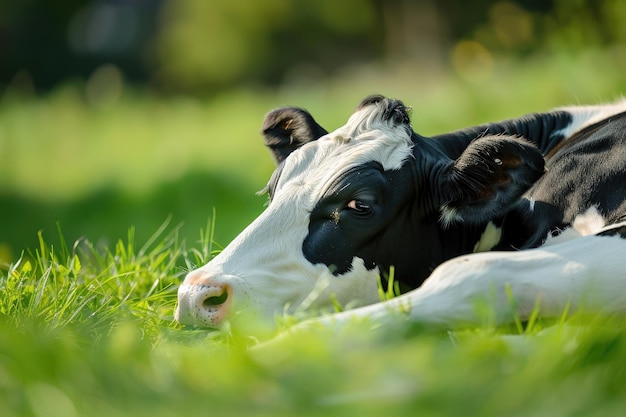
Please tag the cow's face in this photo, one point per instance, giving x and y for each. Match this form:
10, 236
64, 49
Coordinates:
316, 241
343, 208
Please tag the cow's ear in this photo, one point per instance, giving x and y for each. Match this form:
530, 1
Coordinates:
489, 176
288, 128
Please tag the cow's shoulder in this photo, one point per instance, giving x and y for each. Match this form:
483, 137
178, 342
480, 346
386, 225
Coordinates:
584, 175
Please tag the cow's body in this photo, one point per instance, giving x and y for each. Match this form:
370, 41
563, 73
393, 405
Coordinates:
543, 195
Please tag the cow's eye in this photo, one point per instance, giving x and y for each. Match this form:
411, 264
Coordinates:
360, 207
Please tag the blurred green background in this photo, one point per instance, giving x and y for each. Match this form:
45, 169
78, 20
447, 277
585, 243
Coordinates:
119, 113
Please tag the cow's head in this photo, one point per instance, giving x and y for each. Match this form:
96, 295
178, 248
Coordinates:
346, 205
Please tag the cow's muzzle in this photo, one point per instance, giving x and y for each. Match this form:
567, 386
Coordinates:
202, 300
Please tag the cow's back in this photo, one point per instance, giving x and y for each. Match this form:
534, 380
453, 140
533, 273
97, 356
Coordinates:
585, 174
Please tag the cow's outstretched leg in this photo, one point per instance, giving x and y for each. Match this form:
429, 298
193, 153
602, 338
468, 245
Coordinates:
586, 273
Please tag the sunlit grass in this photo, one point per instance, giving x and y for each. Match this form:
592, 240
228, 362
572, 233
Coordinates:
88, 331
93, 288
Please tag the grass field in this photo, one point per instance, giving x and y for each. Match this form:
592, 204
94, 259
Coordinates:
86, 308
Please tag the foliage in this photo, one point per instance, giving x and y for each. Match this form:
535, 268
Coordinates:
93, 289
202, 47
282, 40
254, 41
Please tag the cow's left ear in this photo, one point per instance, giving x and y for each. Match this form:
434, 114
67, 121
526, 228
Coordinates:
288, 128
488, 177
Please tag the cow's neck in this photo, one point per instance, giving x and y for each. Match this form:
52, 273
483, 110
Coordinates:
442, 244
462, 239
540, 128
444, 241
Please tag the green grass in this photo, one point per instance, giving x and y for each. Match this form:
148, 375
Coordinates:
84, 332
86, 318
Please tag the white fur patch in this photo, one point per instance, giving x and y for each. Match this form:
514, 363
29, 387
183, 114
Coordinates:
584, 116
490, 237
448, 216
590, 222
364, 138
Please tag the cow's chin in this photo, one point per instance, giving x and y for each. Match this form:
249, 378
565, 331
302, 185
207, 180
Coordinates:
257, 303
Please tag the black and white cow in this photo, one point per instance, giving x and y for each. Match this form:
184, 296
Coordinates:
533, 208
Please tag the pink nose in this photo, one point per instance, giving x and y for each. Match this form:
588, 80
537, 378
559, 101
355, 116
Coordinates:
202, 301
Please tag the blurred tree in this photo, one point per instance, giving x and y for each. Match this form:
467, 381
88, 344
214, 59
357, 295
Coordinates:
412, 30
32, 38
205, 45
575, 23
202, 46
48, 42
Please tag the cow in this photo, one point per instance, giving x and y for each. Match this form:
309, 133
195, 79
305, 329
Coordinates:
526, 214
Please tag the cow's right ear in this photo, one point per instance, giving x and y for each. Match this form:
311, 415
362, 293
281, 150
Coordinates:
490, 175
288, 128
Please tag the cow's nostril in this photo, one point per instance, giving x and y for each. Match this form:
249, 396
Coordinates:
203, 301
215, 300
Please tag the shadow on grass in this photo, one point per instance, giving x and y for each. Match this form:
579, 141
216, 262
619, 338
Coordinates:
105, 216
